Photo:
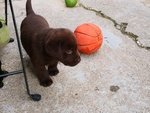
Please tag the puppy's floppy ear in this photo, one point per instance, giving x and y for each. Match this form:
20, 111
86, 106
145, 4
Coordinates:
53, 43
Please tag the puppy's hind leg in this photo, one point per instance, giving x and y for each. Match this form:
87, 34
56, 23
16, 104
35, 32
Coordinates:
52, 69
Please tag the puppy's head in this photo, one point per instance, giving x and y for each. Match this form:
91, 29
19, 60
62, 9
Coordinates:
61, 44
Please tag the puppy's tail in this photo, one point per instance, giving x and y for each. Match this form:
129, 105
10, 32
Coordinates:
29, 9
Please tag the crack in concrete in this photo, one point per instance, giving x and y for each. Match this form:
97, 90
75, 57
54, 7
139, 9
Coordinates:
119, 26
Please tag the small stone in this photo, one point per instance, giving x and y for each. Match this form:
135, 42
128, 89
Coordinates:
76, 94
96, 89
114, 88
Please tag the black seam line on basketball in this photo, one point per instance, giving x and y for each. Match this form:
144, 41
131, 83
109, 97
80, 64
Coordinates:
86, 44
86, 34
93, 28
93, 49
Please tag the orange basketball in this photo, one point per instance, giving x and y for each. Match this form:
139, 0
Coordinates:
89, 38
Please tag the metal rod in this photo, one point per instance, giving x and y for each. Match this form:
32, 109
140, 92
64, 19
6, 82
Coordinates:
11, 73
35, 97
6, 10
19, 46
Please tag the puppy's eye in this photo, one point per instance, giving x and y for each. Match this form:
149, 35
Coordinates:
69, 52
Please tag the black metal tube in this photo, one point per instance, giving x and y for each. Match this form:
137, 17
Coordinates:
6, 12
19, 46
11, 73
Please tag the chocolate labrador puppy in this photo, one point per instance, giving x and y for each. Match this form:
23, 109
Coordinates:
47, 46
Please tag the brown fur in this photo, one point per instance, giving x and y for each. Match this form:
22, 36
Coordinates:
47, 46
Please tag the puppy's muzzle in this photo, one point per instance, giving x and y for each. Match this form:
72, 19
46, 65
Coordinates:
76, 61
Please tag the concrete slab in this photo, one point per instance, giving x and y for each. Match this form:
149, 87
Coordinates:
86, 88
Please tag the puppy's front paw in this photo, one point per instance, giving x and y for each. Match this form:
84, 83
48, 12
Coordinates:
53, 72
46, 82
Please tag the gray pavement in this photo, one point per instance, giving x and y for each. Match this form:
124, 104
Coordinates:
87, 87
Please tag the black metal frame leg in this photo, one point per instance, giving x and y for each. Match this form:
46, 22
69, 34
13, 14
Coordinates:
35, 97
1, 78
